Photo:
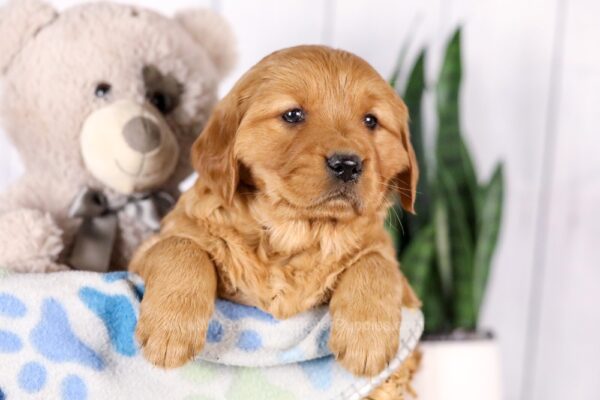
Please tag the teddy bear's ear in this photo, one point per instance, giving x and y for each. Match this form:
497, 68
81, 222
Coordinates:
214, 34
20, 20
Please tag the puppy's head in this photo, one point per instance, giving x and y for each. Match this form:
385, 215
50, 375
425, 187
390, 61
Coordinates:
316, 131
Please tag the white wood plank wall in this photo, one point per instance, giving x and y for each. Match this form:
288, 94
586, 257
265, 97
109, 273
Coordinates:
531, 97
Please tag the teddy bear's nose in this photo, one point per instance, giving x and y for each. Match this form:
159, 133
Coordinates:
142, 134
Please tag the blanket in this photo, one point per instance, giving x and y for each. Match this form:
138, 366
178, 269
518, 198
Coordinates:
70, 336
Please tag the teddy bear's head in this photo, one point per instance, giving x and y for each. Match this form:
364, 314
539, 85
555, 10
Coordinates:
109, 94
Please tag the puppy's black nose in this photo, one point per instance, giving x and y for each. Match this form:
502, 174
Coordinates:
346, 167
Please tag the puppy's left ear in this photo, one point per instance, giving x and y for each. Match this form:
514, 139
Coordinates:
213, 154
214, 34
407, 180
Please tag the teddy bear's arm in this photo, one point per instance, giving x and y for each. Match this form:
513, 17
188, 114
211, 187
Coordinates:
30, 241
30, 238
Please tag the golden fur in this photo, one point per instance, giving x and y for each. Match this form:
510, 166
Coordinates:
398, 386
266, 225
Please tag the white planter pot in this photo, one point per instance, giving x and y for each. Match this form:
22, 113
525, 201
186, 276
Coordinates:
459, 370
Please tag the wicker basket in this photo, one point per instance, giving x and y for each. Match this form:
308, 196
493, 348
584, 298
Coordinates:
397, 386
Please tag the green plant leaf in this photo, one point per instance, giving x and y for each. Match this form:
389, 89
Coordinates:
446, 250
448, 87
416, 260
418, 265
434, 307
442, 244
451, 151
461, 252
490, 217
413, 97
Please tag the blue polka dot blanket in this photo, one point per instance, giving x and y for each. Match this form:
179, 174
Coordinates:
70, 336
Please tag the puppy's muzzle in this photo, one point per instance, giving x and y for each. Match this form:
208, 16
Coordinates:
345, 167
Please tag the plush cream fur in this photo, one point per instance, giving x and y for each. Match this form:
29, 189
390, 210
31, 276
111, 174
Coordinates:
51, 65
267, 225
121, 152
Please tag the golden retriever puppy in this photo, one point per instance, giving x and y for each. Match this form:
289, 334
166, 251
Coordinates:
297, 165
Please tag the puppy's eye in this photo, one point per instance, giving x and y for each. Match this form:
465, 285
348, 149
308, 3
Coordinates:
161, 101
102, 90
370, 121
293, 116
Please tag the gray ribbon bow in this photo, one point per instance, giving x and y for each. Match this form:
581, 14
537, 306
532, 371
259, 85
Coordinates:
95, 238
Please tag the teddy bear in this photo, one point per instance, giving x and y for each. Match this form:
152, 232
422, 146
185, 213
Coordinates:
102, 101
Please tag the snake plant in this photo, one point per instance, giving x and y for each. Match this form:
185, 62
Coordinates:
446, 249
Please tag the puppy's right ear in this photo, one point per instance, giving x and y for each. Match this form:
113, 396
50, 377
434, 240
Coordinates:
213, 154
20, 20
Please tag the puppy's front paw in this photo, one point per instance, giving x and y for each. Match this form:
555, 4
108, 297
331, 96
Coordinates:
172, 329
364, 347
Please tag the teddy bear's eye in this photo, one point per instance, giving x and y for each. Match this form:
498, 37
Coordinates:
102, 90
162, 102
